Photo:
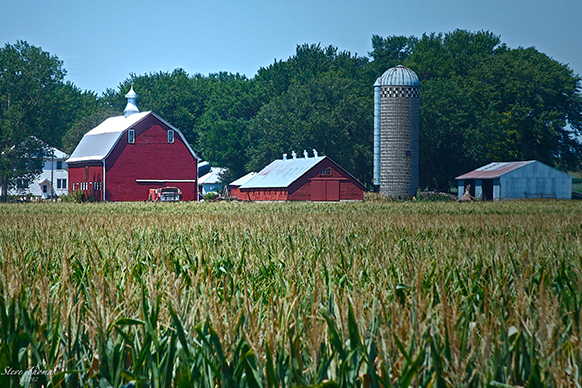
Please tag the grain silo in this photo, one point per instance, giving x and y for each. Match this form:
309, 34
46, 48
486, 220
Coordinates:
396, 117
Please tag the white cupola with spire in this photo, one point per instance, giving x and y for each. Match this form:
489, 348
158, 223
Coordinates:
131, 106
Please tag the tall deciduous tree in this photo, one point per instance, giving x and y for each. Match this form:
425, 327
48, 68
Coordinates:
29, 77
482, 101
328, 113
224, 126
83, 125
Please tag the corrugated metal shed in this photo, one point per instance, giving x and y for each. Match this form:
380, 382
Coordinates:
494, 170
523, 179
282, 173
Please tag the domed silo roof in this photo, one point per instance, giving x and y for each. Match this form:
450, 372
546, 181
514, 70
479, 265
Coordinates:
398, 76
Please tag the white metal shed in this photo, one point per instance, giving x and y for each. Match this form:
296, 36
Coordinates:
513, 180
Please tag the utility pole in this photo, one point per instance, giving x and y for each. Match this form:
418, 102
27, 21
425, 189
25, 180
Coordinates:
52, 168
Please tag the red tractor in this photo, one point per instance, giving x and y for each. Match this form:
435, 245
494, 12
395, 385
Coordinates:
165, 194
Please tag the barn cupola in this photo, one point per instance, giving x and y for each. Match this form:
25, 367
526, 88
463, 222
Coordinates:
131, 106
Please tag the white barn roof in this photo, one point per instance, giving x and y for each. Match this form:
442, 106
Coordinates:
98, 142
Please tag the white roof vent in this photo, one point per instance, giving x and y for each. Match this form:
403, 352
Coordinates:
305, 154
131, 106
315, 153
294, 155
284, 156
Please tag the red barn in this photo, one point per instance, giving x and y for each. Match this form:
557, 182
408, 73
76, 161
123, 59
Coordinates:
302, 179
125, 156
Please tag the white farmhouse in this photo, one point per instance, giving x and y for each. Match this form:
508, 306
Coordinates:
52, 181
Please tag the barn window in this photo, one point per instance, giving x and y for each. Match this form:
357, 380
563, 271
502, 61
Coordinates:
170, 136
328, 171
131, 136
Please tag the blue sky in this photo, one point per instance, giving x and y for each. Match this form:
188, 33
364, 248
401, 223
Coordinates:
101, 42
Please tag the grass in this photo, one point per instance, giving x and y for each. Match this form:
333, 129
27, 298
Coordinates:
373, 294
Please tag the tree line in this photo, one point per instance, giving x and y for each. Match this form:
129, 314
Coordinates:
480, 101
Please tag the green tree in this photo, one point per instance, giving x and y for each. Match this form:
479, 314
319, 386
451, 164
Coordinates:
224, 126
320, 98
29, 83
482, 101
328, 113
177, 97
310, 61
83, 125
389, 52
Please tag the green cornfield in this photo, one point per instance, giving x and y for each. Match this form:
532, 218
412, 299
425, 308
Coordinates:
370, 294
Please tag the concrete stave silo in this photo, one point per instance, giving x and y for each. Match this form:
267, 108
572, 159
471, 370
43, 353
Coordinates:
396, 132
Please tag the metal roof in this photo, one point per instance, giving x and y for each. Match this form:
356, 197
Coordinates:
282, 173
98, 142
240, 181
212, 177
398, 76
494, 170
58, 154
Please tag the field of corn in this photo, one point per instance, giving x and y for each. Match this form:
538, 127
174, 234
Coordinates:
372, 294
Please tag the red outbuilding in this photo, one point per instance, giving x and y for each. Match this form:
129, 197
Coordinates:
125, 156
316, 178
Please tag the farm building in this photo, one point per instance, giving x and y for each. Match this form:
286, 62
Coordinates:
125, 156
211, 181
51, 182
235, 185
512, 180
396, 132
302, 179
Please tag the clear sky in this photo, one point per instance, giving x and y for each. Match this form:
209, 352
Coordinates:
101, 42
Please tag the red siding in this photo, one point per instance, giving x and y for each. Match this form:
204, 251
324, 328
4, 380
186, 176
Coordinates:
333, 184
350, 192
277, 194
303, 193
151, 160
87, 177
235, 192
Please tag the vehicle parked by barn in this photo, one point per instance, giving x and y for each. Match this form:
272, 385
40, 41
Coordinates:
165, 194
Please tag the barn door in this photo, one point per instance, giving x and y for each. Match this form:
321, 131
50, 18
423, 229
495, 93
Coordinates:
332, 192
318, 190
